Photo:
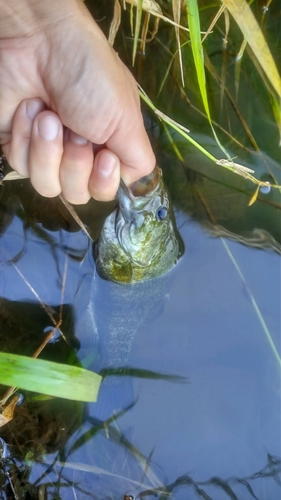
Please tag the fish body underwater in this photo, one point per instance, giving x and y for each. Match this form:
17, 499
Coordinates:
139, 241
138, 245
110, 317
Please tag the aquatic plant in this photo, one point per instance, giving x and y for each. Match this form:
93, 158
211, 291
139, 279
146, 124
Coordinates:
213, 54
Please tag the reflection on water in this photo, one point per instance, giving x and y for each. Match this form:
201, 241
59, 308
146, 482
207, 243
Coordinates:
190, 404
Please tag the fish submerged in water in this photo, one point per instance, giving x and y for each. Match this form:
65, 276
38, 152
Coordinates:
139, 240
138, 245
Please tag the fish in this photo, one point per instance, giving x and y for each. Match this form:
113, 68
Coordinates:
136, 253
139, 240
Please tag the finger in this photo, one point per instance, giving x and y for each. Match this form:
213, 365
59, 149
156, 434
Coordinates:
105, 177
134, 150
76, 167
130, 141
45, 154
21, 134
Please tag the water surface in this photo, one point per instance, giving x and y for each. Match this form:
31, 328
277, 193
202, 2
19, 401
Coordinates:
210, 428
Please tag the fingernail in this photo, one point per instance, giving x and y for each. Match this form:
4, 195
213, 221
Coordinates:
106, 164
77, 139
48, 127
33, 107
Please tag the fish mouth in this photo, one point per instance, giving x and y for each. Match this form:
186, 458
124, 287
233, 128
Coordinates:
134, 201
146, 184
142, 187
134, 198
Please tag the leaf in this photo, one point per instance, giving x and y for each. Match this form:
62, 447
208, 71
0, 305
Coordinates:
137, 28
226, 163
224, 57
252, 32
47, 377
147, 5
274, 100
214, 21
153, 8
8, 412
254, 197
238, 62
172, 123
197, 50
115, 23
177, 16
198, 56
235, 167
276, 108
14, 176
75, 215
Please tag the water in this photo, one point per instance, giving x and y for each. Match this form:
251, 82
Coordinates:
213, 433
197, 413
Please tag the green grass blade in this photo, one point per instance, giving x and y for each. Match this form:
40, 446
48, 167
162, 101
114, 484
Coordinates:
137, 28
176, 126
228, 164
252, 32
274, 100
173, 143
197, 50
176, 4
47, 377
238, 61
198, 56
224, 57
169, 68
276, 108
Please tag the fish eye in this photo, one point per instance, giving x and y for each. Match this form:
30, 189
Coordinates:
162, 213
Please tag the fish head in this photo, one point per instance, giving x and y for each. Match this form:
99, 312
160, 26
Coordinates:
145, 238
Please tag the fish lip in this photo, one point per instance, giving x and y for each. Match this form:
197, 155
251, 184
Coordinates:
144, 187
131, 204
147, 185
126, 202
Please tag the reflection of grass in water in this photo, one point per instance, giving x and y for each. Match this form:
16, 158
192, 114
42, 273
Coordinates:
225, 486
59, 467
253, 302
57, 478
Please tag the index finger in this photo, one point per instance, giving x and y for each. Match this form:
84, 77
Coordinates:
133, 148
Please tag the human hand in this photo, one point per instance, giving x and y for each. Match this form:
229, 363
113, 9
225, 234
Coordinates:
70, 113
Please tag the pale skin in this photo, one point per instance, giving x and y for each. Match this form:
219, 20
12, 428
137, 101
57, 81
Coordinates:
70, 114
